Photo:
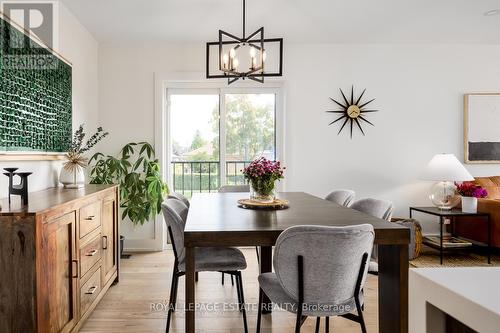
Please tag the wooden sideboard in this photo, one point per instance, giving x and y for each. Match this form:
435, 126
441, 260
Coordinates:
58, 257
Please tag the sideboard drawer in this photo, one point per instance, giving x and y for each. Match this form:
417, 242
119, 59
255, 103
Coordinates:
90, 290
90, 218
90, 254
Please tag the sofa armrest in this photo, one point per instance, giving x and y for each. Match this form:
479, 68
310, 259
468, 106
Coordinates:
491, 206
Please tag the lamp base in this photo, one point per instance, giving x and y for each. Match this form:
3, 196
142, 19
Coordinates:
444, 195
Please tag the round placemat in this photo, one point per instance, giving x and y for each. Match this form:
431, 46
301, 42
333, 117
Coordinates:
252, 204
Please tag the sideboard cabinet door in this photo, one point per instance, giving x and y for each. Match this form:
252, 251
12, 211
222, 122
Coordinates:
58, 275
109, 238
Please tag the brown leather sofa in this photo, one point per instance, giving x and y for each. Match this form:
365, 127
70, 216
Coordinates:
470, 227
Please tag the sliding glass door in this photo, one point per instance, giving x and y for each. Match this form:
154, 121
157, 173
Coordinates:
214, 134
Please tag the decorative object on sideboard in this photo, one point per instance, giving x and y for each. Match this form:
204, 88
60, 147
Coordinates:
470, 192
481, 134
352, 110
137, 171
234, 54
262, 175
445, 169
21, 188
35, 98
73, 171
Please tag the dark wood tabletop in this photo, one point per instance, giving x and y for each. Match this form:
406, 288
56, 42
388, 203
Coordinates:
217, 213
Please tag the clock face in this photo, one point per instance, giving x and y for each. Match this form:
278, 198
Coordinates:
351, 111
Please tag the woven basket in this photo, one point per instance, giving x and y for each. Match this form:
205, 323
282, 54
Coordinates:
415, 236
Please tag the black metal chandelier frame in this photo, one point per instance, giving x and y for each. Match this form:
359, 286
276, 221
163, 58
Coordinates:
255, 40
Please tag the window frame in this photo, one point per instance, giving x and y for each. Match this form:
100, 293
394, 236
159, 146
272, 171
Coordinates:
222, 91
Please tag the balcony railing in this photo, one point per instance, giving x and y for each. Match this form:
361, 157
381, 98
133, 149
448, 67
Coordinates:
204, 176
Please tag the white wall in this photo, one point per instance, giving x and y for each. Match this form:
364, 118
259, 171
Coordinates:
78, 46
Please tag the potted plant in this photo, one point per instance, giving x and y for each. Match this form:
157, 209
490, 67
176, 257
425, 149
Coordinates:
137, 171
73, 174
470, 193
262, 175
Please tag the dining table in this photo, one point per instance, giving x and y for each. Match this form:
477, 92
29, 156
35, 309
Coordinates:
217, 220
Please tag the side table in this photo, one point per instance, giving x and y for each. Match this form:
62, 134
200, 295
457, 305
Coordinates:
452, 214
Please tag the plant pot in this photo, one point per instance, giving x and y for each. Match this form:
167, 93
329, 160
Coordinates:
72, 175
469, 205
122, 241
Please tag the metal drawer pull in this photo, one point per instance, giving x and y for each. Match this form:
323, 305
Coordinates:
74, 268
91, 290
92, 253
90, 218
105, 243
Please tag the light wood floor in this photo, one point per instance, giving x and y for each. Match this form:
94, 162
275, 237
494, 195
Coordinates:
145, 281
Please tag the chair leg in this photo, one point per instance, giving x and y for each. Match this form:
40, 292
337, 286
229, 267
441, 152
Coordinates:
232, 280
318, 320
196, 276
298, 321
259, 311
258, 255
176, 288
171, 303
327, 324
239, 285
238, 292
360, 315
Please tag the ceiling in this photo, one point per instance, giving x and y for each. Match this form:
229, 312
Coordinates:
332, 21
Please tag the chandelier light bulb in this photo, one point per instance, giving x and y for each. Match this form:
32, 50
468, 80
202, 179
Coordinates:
264, 56
252, 51
225, 59
232, 53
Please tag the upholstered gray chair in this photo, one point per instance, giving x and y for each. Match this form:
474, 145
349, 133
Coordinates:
341, 197
378, 208
234, 188
207, 259
323, 280
375, 207
178, 196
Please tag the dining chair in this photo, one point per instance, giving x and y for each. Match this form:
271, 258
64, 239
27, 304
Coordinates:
341, 197
382, 209
178, 196
375, 207
235, 189
323, 280
207, 259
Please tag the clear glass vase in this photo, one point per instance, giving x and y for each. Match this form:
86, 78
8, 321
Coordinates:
262, 190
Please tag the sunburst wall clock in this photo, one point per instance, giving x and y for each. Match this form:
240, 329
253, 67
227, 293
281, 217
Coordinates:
352, 111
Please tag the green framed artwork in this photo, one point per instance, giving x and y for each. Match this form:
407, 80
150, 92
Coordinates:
35, 97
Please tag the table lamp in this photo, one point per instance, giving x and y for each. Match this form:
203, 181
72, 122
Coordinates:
445, 169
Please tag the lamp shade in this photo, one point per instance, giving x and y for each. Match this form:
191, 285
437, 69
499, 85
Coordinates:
446, 167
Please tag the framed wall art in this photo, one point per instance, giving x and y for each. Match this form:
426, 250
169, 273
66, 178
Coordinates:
482, 128
35, 97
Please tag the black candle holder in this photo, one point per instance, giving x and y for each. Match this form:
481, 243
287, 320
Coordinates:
21, 188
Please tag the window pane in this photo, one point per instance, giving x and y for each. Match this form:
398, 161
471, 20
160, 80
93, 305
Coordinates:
250, 126
194, 133
250, 132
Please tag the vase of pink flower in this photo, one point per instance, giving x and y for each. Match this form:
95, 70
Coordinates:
262, 175
470, 193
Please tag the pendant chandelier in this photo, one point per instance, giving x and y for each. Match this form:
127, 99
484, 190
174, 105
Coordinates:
245, 57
